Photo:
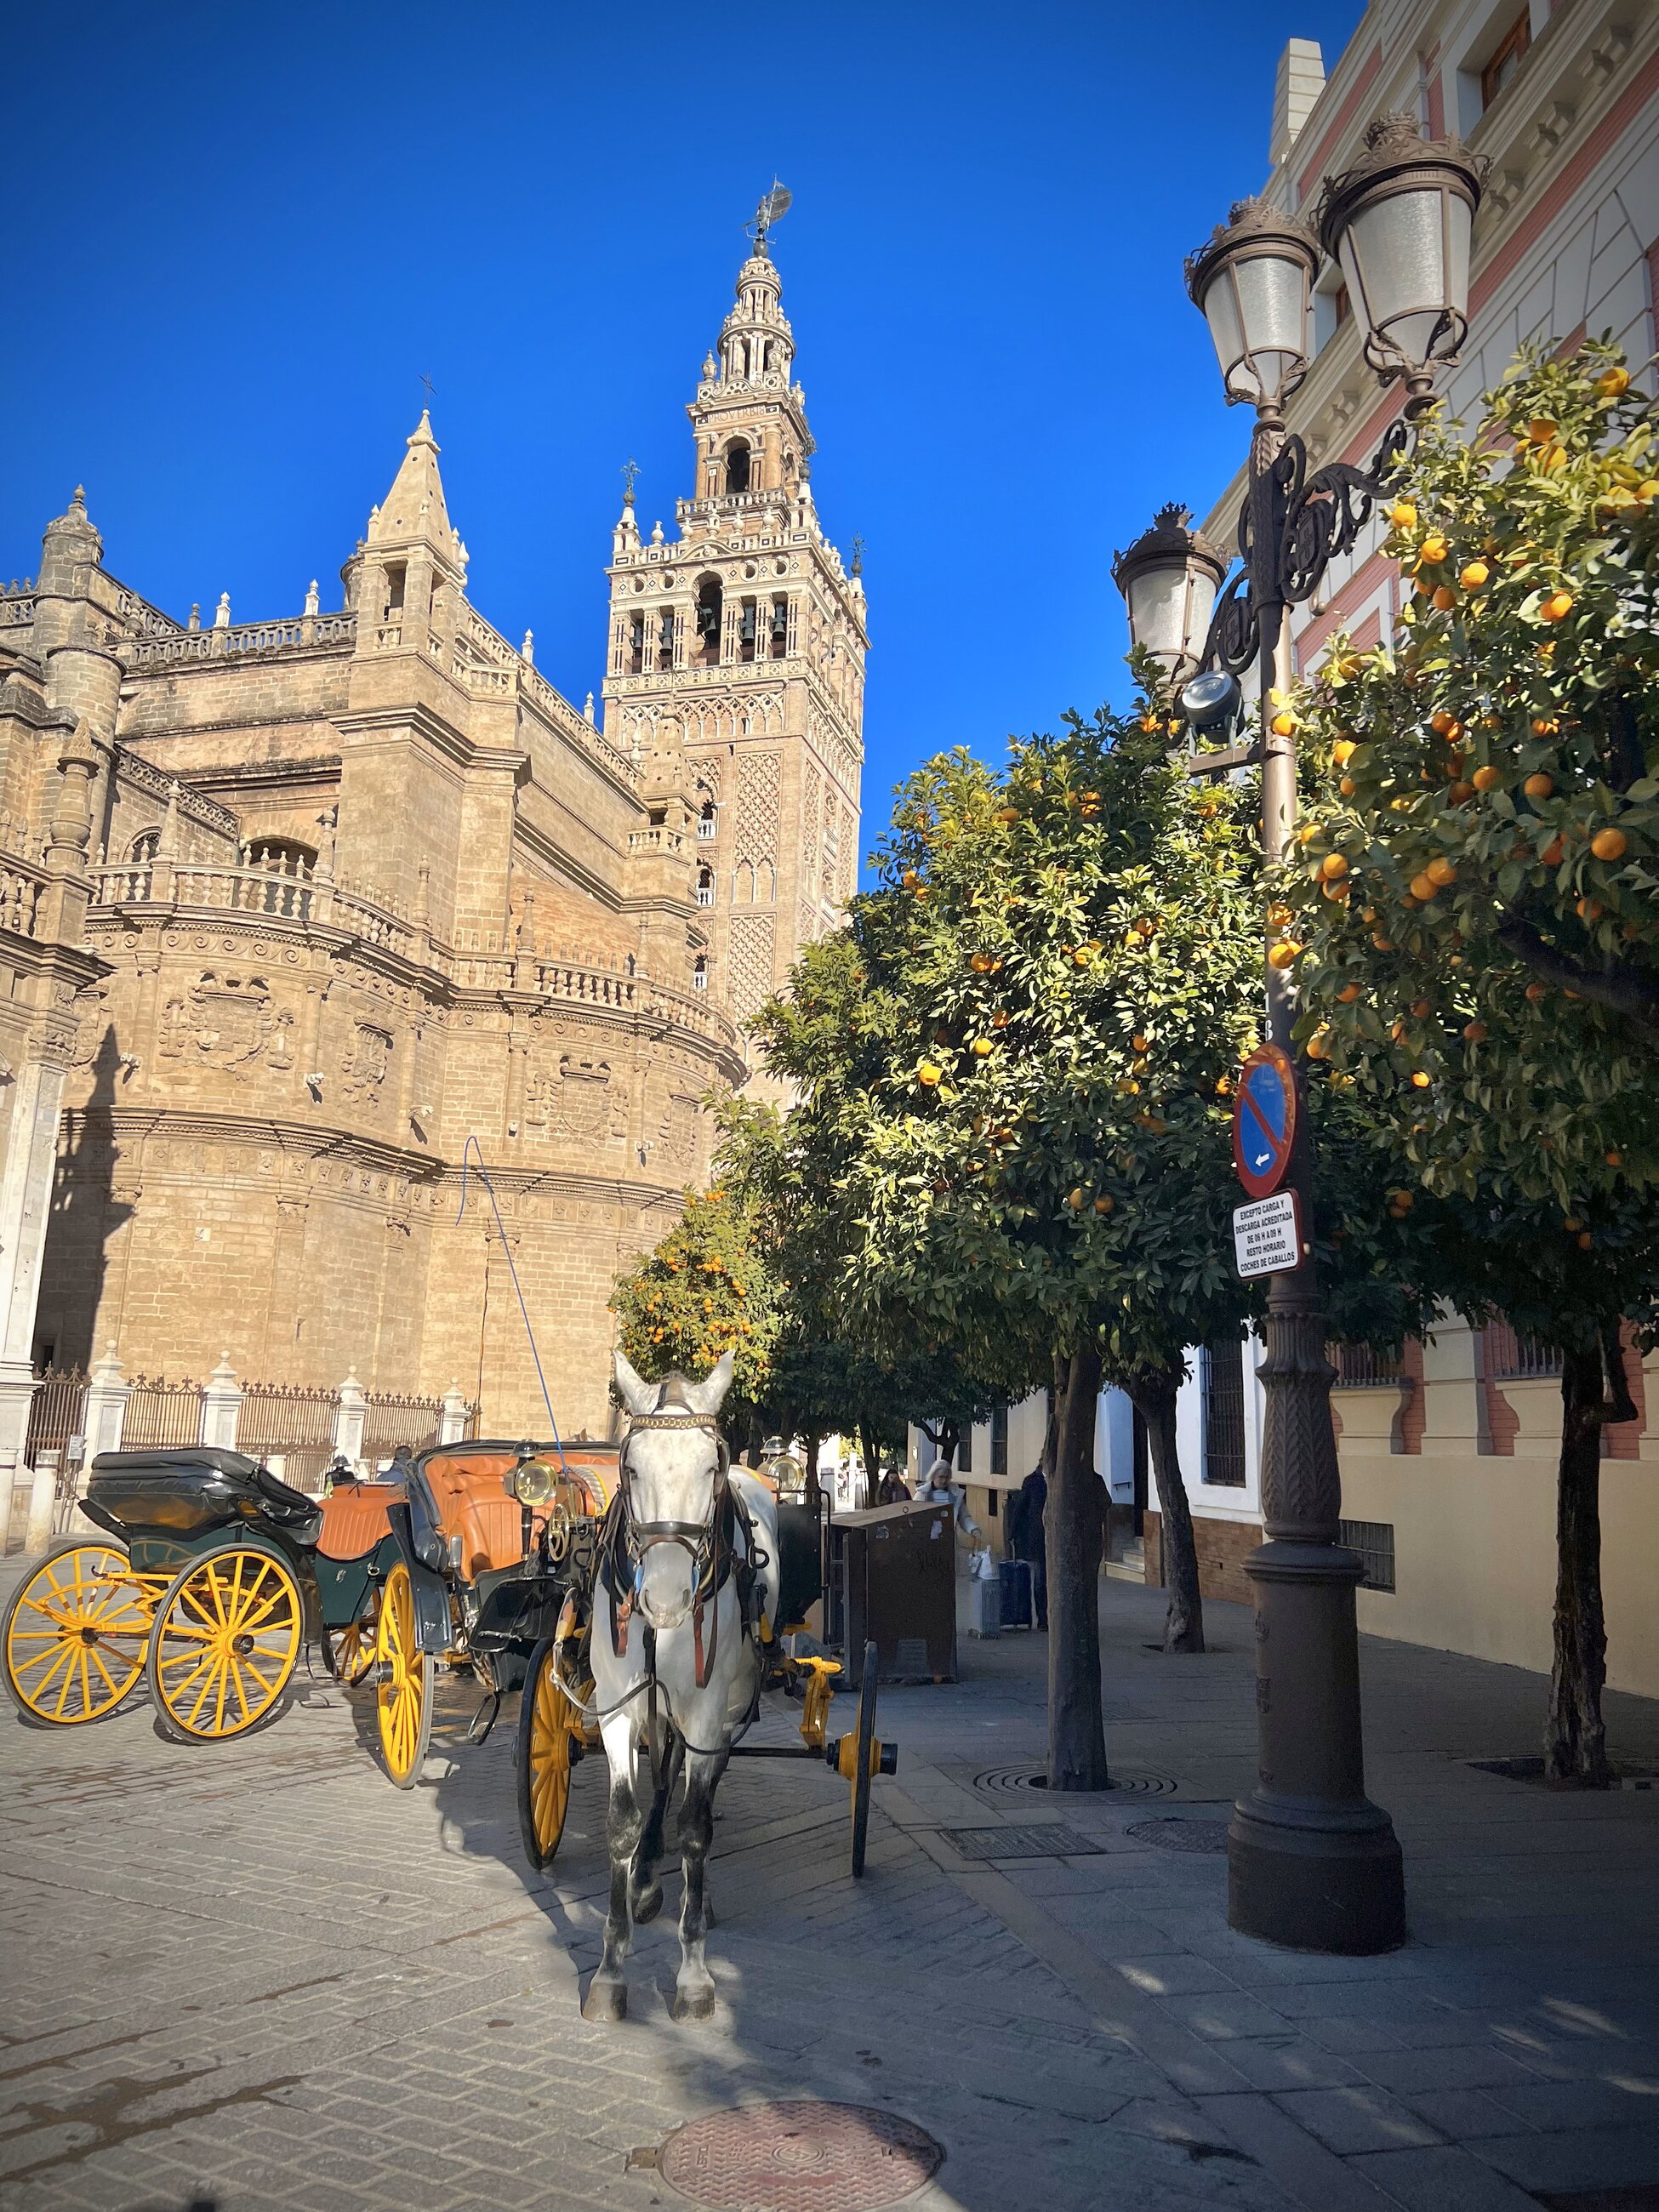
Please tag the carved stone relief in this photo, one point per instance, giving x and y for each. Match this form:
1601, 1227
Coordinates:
226, 1020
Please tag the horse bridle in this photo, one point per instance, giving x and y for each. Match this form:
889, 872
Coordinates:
631, 1538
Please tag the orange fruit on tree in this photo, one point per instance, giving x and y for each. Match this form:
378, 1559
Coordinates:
1441, 870
1104, 1205
1473, 574
1487, 778
1433, 550
1443, 724
1283, 725
1544, 725
1585, 1240
1613, 382
1541, 430
929, 1073
1460, 793
1552, 854
1348, 994
1444, 598
1319, 1045
1615, 1159
1347, 786
1332, 866
1609, 844
1558, 605
1420, 1078
1475, 1032
1343, 751
1075, 1198
1540, 786
1403, 514
981, 1047
1424, 886
1589, 909
1283, 954
1537, 991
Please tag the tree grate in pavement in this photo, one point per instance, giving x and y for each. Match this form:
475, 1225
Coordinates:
1015, 1781
1628, 1777
1048, 1839
1178, 1835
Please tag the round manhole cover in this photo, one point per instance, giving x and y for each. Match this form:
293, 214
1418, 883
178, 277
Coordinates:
800, 2156
1005, 1781
1180, 1835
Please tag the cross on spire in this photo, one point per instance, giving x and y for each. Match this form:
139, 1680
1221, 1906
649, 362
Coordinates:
630, 472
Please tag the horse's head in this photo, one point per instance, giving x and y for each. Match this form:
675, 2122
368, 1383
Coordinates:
673, 1467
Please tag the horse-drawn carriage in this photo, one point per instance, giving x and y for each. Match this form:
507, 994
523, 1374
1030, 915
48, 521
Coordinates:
214, 1576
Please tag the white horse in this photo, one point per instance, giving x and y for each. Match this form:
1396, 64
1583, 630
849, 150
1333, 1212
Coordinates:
687, 1576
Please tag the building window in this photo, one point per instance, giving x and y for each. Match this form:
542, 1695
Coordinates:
965, 1450
1223, 1413
145, 846
700, 972
707, 821
999, 1442
1506, 59
748, 630
1374, 1541
705, 887
780, 633
636, 645
736, 455
666, 639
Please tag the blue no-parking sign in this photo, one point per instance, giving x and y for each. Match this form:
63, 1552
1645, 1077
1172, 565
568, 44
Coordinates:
1264, 1120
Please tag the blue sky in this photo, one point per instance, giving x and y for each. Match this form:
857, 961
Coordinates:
241, 237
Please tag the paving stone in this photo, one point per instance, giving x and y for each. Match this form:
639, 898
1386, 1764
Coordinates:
1448, 2180
1348, 2120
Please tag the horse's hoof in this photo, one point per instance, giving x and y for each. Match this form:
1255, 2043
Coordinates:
605, 2002
647, 1905
695, 2003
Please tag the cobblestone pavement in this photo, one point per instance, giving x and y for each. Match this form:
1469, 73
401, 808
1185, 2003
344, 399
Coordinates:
261, 1971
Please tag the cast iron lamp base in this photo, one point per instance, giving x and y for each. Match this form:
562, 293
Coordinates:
1311, 1863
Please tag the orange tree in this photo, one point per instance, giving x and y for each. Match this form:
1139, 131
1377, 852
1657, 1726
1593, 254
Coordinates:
1013, 1067
1473, 918
705, 1291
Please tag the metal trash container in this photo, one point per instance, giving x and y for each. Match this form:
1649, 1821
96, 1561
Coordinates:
893, 1583
1016, 1580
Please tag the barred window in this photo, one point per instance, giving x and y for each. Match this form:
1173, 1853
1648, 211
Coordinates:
1374, 1541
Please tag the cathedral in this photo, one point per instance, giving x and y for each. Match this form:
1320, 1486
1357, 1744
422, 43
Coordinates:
358, 983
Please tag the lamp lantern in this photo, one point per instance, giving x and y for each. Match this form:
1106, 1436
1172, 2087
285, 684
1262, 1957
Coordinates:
1398, 225
1168, 578
1251, 283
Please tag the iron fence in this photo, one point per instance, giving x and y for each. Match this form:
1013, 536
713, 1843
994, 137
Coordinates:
57, 1411
1514, 1358
395, 1418
291, 1422
1362, 1367
161, 1413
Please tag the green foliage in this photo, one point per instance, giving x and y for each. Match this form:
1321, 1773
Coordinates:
705, 1291
1475, 907
1014, 1063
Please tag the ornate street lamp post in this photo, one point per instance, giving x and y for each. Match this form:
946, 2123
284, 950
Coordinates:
1312, 1862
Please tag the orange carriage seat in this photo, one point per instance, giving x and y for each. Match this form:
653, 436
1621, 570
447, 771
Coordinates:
355, 1518
470, 1492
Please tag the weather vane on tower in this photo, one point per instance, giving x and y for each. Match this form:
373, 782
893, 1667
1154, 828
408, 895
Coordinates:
775, 205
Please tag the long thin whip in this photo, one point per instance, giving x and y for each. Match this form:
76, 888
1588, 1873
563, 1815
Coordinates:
471, 1147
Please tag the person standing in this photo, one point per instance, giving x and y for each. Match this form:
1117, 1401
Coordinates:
1027, 1537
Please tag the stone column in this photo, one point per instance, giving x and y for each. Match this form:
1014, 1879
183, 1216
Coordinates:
349, 1417
25, 1199
43, 1500
454, 1409
1454, 1404
221, 1404
104, 1418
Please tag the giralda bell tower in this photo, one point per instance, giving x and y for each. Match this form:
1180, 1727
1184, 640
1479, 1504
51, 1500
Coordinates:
742, 640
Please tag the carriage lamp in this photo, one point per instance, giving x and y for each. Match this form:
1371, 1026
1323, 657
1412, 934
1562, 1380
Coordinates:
1168, 578
533, 1482
1252, 284
1398, 225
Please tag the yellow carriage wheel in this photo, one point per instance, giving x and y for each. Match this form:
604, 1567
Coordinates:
227, 1636
549, 1741
351, 1652
74, 1634
404, 1693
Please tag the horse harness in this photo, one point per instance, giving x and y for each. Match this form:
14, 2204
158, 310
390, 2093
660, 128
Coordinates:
716, 1556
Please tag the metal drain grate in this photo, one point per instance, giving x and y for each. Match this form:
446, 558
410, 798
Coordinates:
1048, 1839
1179, 1835
796, 2156
1014, 1781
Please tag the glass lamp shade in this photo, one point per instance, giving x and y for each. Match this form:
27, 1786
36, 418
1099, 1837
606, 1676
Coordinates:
1251, 284
1168, 578
1399, 225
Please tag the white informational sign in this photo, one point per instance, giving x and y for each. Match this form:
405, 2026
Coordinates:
1267, 1235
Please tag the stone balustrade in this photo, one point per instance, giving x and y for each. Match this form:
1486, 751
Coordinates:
21, 890
240, 641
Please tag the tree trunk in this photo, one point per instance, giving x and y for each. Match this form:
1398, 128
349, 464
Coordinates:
814, 1445
945, 1442
1184, 1622
756, 1451
1575, 1737
1072, 1528
870, 1445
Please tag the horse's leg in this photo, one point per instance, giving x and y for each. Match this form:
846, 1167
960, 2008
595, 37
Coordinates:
607, 1993
648, 1890
694, 1986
